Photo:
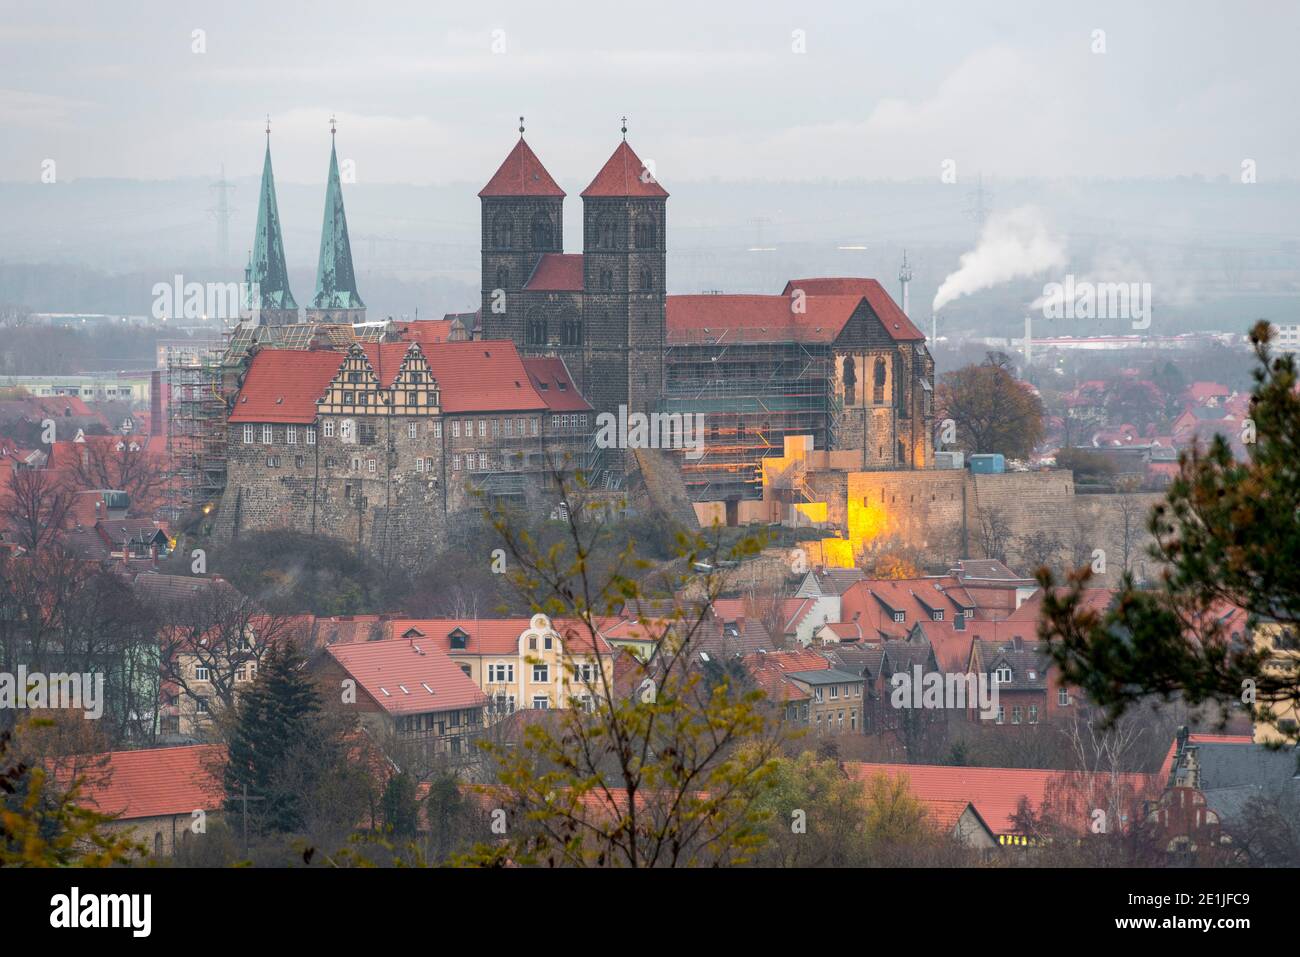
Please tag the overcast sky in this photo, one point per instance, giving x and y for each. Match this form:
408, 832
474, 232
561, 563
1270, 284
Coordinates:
712, 89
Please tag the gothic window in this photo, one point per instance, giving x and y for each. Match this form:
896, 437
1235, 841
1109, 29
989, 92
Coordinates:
878, 392
607, 280
571, 332
647, 279
605, 232
535, 331
503, 277
503, 232
542, 231
645, 235
849, 375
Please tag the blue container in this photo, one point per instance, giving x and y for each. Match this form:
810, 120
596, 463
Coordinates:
988, 464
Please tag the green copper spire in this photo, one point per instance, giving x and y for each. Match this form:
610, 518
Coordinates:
267, 267
336, 283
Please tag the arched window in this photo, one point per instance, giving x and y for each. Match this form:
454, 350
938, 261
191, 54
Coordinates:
605, 232
571, 332
645, 235
882, 373
535, 330
849, 376
157, 844
542, 231
607, 280
503, 231
647, 279
503, 277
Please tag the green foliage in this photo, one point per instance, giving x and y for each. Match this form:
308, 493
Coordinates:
274, 718
399, 810
43, 824
1227, 536
665, 777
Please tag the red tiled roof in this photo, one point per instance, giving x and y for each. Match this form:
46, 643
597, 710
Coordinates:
550, 377
882, 303
522, 174
489, 636
426, 331
408, 677
386, 360
994, 792
556, 272
283, 385
754, 318
484, 376
624, 175
156, 782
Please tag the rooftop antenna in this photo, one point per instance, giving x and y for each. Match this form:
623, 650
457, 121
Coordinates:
904, 277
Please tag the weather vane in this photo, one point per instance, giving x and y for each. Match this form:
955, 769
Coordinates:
521, 126
332, 124
625, 129
268, 126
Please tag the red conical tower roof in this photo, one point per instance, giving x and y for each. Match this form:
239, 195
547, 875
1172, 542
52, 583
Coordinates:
625, 175
522, 174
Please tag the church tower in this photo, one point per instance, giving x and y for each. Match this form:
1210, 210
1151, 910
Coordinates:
624, 277
336, 298
522, 211
274, 305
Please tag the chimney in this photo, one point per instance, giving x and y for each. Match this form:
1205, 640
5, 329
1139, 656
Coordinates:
1018, 643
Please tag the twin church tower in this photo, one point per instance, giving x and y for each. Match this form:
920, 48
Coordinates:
602, 310
336, 298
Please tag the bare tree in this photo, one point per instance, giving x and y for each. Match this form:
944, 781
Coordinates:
994, 532
36, 508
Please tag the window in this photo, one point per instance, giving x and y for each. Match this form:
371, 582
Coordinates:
606, 280
501, 672
583, 672
505, 703
201, 705
419, 465
853, 719
482, 428
535, 422
437, 430
647, 279
1062, 697
1002, 714
248, 435
455, 428
835, 692
900, 617
329, 428
482, 462
410, 430
311, 435
546, 642
1004, 675
541, 702
268, 434
1033, 714
937, 615
541, 673
1016, 714
200, 673
509, 428
370, 465
273, 461
644, 235
818, 694
535, 331
290, 435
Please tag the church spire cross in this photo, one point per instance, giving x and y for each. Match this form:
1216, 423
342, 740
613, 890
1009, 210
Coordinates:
268, 127
333, 125
625, 129
521, 127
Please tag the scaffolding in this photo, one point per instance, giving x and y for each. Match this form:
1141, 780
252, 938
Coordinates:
753, 391
196, 427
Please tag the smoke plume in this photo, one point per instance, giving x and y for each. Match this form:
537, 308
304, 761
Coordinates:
1013, 245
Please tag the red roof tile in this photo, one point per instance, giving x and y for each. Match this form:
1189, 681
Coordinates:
156, 782
484, 376
882, 303
550, 377
522, 174
408, 677
995, 792
753, 318
625, 175
283, 385
386, 360
488, 636
556, 272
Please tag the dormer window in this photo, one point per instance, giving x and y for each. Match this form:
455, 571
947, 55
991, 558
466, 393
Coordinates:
1004, 675
900, 617
459, 639
959, 622
937, 614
